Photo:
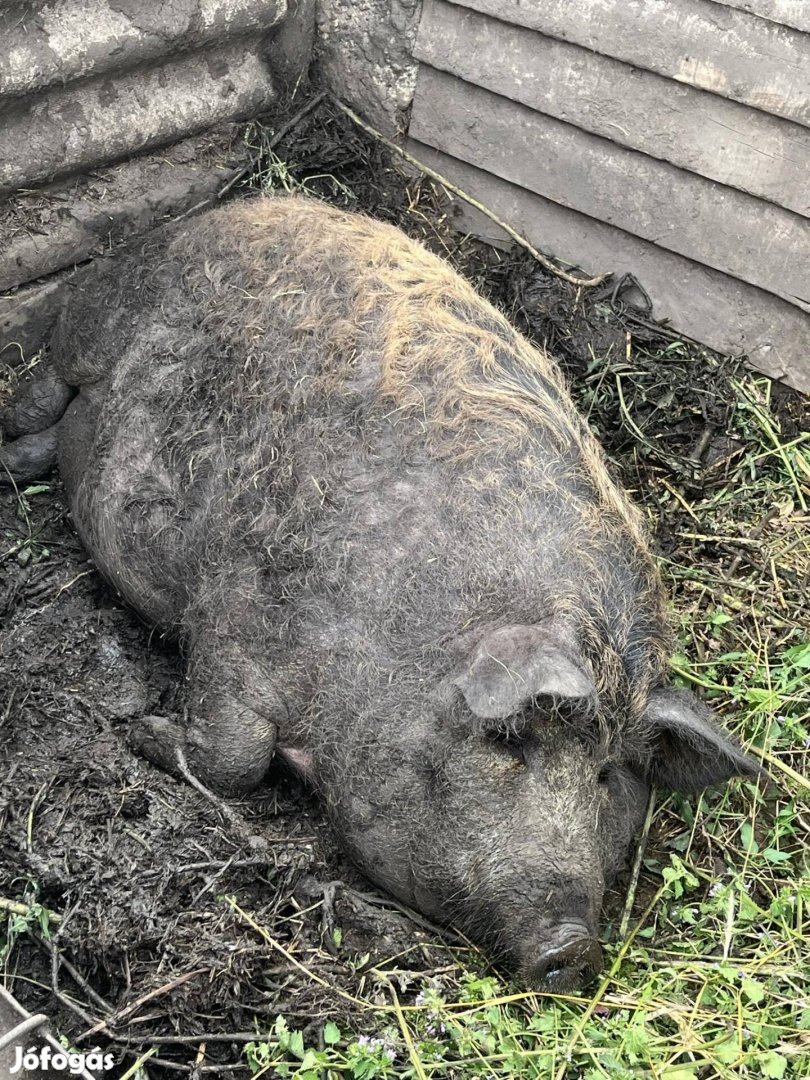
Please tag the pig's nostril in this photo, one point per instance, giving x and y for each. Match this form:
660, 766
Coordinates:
568, 964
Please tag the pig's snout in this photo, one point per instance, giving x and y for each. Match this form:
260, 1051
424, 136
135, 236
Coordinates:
570, 957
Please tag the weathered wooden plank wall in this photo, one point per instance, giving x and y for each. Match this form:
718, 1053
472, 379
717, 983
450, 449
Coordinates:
670, 138
711, 136
708, 45
786, 12
633, 191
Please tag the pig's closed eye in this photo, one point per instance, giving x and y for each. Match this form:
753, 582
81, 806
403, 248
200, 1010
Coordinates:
607, 774
508, 743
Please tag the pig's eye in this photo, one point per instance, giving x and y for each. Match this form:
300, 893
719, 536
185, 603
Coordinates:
606, 774
508, 742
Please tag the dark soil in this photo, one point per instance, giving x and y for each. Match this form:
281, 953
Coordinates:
138, 865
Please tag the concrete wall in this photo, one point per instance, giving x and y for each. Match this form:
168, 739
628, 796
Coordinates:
364, 53
667, 138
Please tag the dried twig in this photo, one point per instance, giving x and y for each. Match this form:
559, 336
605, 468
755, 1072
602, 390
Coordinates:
545, 262
636, 872
56, 959
234, 819
129, 1010
74, 973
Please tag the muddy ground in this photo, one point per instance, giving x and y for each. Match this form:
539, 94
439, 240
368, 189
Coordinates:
148, 949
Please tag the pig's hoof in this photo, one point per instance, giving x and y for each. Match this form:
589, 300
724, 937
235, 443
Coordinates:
157, 739
29, 458
39, 402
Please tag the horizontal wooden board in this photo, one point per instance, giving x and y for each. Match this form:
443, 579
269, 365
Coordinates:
715, 225
717, 138
708, 45
794, 13
718, 310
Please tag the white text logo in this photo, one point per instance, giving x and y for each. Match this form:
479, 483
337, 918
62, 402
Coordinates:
68, 1061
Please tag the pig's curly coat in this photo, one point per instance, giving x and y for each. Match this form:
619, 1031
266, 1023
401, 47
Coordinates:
393, 361
306, 447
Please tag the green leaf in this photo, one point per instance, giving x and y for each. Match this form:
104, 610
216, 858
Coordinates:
753, 990
719, 618
748, 910
636, 1039
543, 1021
331, 1033
773, 1064
747, 837
727, 1051
296, 1044
769, 1035
765, 700
36, 489
774, 856
799, 655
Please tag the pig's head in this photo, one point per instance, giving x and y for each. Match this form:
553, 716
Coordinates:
507, 801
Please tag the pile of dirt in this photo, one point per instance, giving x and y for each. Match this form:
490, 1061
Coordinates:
173, 923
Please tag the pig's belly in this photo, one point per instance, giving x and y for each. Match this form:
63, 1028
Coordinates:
131, 514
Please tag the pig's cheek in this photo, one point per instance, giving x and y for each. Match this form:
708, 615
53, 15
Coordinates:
631, 806
428, 903
370, 836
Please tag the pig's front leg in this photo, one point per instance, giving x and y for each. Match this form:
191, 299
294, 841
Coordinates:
31, 457
31, 419
233, 714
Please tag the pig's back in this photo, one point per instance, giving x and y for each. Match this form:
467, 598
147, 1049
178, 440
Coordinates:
259, 380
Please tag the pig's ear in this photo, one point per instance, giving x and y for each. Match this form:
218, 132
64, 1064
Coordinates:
689, 750
513, 664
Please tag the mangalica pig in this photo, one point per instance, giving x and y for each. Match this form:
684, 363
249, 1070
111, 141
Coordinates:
393, 555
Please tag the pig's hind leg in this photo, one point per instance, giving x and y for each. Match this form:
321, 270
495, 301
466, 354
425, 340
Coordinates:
230, 735
31, 422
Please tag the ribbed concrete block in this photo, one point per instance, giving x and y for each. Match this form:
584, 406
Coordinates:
106, 119
54, 42
27, 318
73, 220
